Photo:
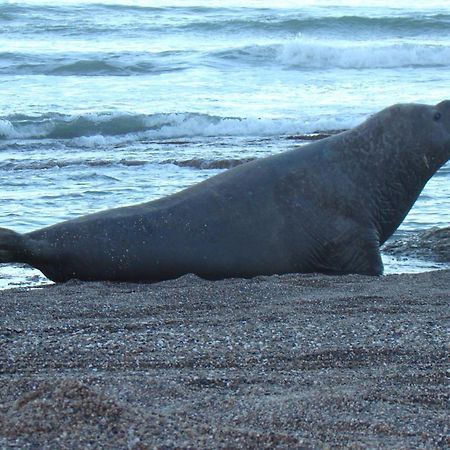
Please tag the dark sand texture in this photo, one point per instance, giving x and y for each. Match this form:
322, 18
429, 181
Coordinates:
294, 361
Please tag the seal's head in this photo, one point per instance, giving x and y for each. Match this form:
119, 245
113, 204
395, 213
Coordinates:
414, 138
394, 154
441, 131
426, 130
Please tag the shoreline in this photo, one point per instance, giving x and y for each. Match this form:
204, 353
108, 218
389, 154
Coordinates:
22, 276
414, 252
271, 362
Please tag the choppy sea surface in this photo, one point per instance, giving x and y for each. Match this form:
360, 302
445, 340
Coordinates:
108, 103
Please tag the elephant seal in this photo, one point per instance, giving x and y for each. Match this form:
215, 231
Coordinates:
325, 207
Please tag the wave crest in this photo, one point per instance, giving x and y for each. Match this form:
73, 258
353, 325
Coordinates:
109, 128
301, 53
101, 64
307, 53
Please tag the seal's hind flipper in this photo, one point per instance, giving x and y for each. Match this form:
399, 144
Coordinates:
12, 246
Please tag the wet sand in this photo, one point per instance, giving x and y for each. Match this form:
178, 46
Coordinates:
294, 361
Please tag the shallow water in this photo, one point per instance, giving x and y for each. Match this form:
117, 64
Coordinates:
109, 103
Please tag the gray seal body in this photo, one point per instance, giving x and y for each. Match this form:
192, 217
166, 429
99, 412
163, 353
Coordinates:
324, 207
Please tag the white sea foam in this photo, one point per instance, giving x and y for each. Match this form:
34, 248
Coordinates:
95, 130
10, 129
312, 53
90, 141
7, 129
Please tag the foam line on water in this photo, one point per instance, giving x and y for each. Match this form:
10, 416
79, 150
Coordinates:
97, 129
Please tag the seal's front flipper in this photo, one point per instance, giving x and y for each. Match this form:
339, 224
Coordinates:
353, 253
13, 246
364, 260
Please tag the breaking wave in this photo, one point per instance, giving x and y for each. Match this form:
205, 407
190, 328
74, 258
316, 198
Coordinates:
299, 53
109, 128
305, 53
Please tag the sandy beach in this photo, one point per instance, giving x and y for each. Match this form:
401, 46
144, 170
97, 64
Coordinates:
293, 361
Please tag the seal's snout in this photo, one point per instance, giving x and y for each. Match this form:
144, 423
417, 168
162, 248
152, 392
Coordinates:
443, 114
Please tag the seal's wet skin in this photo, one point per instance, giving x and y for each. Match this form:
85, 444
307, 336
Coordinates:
325, 207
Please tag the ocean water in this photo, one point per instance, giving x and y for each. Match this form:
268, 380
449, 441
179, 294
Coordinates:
108, 103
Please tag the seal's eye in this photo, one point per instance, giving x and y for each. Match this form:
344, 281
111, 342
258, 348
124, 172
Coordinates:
437, 116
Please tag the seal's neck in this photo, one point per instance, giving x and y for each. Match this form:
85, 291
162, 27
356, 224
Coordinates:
398, 190
393, 176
